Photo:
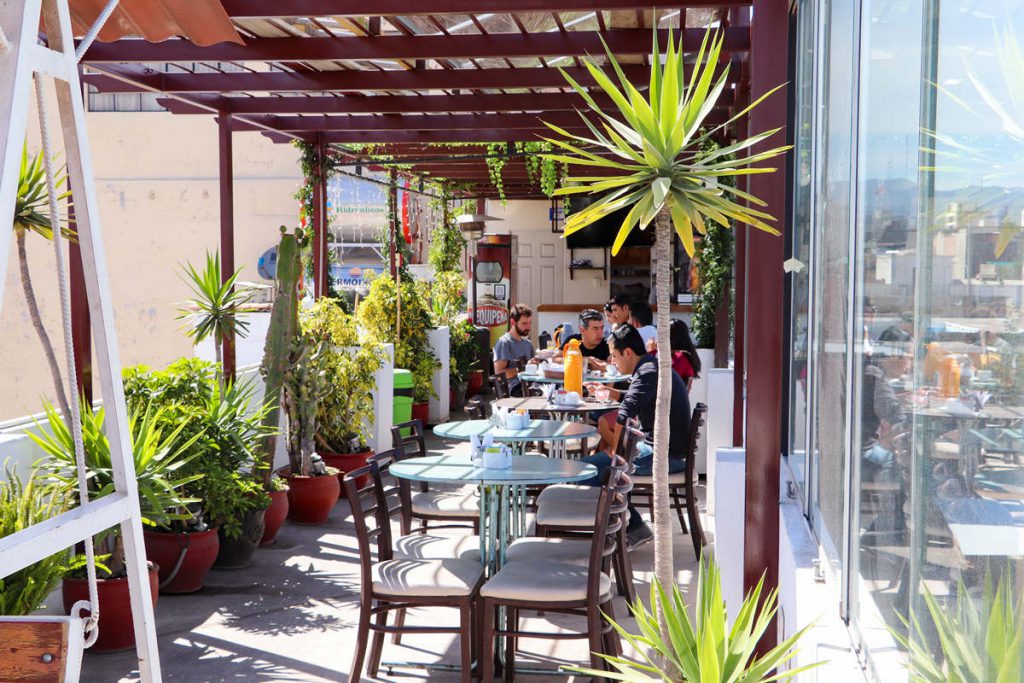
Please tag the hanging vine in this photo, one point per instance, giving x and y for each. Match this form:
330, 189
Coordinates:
714, 272
496, 159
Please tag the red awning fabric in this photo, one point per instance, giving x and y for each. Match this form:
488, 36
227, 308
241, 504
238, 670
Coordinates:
204, 22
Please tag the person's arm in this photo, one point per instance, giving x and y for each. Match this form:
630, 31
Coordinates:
642, 390
503, 358
596, 363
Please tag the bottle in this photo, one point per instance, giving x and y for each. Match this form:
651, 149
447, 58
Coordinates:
574, 367
952, 387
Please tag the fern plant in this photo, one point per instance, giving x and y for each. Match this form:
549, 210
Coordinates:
24, 504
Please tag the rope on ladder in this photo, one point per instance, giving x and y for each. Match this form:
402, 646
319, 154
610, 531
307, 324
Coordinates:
91, 630
5, 44
101, 20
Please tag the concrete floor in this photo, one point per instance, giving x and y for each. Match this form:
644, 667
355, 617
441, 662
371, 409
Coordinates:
292, 614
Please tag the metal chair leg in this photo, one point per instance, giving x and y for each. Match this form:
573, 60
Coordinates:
356, 671
377, 646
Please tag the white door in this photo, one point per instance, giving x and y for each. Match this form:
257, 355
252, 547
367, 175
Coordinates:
541, 258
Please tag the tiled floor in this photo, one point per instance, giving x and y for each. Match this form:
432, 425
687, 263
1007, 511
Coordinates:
291, 616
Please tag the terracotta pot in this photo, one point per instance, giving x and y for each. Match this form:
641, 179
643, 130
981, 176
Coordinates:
311, 499
421, 412
275, 516
116, 625
184, 558
236, 553
346, 462
475, 384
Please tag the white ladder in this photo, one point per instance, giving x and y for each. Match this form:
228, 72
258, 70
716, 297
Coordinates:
20, 57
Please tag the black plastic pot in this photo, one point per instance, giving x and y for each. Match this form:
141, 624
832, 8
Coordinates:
236, 553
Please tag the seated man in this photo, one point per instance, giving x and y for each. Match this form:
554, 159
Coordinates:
641, 317
631, 358
593, 347
514, 346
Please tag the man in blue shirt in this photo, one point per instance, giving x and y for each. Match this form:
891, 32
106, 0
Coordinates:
629, 355
514, 346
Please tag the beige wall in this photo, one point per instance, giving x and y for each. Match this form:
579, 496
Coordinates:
156, 177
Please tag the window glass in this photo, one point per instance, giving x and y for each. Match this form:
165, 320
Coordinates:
800, 304
831, 268
939, 408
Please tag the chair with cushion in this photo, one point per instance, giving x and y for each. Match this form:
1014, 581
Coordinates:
551, 586
681, 486
392, 583
565, 515
453, 506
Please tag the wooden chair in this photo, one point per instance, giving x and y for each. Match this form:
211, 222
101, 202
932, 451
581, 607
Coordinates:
500, 385
454, 506
546, 586
681, 486
390, 583
563, 514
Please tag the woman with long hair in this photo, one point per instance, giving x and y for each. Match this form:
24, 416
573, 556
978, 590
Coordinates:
685, 360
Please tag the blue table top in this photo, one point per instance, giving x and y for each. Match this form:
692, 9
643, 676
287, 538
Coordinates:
539, 430
526, 469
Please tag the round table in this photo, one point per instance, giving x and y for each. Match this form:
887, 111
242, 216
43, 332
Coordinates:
588, 377
555, 432
538, 404
502, 491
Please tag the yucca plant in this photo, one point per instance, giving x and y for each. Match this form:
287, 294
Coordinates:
978, 645
705, 650
24, 504
158, 454
654, 161
213, 310
32, 214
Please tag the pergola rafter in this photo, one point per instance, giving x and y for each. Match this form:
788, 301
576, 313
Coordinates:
355, 8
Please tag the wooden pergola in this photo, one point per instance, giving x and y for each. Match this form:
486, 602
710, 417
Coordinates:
417, 74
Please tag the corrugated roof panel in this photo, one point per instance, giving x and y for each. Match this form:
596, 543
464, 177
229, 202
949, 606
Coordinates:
204, 22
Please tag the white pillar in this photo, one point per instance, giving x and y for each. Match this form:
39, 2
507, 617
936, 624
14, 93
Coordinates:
440, 344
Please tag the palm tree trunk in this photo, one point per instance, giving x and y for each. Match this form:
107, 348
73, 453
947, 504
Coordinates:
664, 571
37, 323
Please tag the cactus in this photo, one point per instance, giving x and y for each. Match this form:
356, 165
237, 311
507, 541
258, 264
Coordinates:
305, 383
284, 325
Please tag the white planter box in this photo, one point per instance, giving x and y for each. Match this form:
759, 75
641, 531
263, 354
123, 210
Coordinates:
718, 427
730, 484
383, 402
699, 394
440, 344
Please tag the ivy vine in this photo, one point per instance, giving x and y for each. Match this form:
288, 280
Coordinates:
715, 257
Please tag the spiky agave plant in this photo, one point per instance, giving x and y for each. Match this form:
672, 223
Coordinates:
653, 160
705, 650
979, 642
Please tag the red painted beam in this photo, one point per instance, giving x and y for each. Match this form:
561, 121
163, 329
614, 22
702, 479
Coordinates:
390, 104
135, 78
391, 122
389, 8
498, 45
227, 227
769, 62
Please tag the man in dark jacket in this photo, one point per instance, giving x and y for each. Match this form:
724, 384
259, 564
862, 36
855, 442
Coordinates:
629, 355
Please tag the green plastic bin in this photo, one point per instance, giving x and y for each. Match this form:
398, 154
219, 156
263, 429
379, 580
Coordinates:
403, 397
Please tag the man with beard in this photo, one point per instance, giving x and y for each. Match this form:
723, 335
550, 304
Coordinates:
514, 346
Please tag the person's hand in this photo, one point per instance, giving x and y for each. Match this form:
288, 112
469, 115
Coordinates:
591, 387
652, 345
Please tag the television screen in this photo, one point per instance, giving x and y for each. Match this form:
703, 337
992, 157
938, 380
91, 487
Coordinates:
601, 233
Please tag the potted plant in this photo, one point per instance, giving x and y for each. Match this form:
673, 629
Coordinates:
277, 511
346, 408
403, 321
23, 505
313, 487
656, 163
706, 649
227, 519
464, 359
159, 457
